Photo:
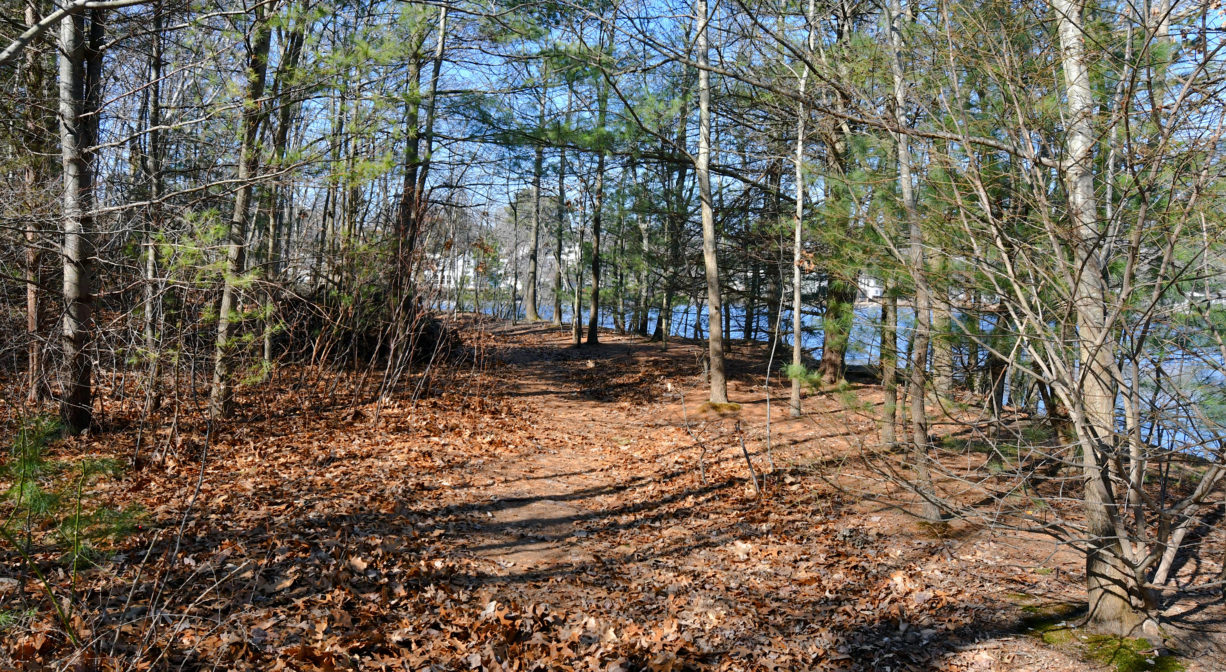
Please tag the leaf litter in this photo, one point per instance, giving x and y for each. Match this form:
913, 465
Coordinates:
544, 512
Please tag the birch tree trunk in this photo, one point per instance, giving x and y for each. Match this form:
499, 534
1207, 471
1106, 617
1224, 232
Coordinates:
798, 227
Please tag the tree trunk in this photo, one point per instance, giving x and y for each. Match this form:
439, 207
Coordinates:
221, 397
644, 301
751, 301
36, 172
290, 56
715, 340
154, 174
1118, 602
593, 325
80, 79
797, 239
889, 366
919, 347
797, 249
576, 326
535, 243
514, 258
557, 249
561, 222
836, 327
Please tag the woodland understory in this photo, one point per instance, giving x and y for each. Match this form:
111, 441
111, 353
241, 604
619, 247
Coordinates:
612, 334
541, 506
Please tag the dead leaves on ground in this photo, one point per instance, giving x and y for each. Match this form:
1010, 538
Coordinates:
328, 542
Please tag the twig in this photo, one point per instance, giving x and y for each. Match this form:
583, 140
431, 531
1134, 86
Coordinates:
752, 472
702, 464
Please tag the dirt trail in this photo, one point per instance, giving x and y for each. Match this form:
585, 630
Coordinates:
539, 499
607, 505
547, 510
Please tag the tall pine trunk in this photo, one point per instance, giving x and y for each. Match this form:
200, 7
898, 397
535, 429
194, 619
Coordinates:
920, 448
715, 340
559, 228
155, 176
221, 396
534, 243
80, 78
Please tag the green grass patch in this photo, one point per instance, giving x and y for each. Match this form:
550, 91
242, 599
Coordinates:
11, 618
48, 498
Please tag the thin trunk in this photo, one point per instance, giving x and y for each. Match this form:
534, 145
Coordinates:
797, 249
593, 325
559, 227
535, 242
36, 172
154, 174
576, 327
619, 315
889, 366
514, 259
797, 233
715, 340
410, 209
751, 308
278, 193
221, 396
919, 347
644, 301
561, 222
427, 131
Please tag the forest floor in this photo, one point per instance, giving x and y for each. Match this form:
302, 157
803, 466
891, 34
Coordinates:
556, 508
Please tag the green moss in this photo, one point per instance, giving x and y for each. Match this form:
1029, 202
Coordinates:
1051, 623
1128, 655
